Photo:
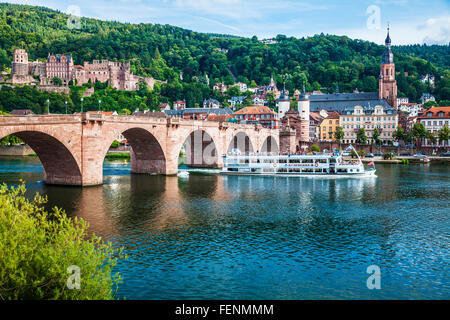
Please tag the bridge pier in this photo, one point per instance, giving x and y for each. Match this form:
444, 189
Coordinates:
152, 166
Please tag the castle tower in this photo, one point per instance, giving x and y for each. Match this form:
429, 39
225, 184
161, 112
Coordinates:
283, 104
20, 62
303, 110
387, 85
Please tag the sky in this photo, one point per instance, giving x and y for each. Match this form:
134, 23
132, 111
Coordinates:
411, 21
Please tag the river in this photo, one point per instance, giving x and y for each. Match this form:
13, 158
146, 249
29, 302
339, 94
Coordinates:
208, 236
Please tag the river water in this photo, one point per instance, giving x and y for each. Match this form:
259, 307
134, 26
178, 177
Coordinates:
208, 236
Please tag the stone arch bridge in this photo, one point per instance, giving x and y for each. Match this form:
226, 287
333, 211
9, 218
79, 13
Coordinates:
72, 148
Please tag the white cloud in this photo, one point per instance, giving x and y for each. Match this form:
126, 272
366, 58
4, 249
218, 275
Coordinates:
435, 30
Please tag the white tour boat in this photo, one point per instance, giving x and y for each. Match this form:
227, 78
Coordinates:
331, 163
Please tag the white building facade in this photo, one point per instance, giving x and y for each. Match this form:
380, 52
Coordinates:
433, 120
385, 119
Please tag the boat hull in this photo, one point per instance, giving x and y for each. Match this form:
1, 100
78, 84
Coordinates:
306, 175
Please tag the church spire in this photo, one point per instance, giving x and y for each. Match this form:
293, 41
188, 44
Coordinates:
388, 38
387, 85
388, 56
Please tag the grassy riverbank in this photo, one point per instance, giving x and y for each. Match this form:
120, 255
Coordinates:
117, 155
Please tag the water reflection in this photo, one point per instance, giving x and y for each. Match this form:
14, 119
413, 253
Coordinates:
236, 237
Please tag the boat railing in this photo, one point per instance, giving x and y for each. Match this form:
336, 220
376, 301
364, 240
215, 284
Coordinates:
272, 154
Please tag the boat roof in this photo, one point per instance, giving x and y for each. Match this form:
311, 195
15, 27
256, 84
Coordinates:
301, 156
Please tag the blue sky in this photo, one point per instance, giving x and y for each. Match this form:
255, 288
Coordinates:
411, 21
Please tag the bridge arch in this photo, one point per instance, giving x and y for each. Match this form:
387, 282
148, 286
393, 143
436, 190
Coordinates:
57, 157
200, 149
147, 155
270, 145
241, 141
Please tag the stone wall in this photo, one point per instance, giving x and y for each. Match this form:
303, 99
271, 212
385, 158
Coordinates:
58, 89
19, 150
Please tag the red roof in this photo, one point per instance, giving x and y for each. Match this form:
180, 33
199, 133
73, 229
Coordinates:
332, 115
434, 111
219, 117
102, 112
255, 110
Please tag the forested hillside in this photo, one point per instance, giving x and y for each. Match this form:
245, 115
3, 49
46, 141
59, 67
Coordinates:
163, 51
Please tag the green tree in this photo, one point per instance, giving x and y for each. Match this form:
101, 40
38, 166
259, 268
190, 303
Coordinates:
339, 135
57, 81
315, 148
399, 134
376, 136
419, 132
233, 91
270, 98
10, 140
430, 136
429, 104
115, 144
37, 248
361, 136
125, 112
444, 133
248, 102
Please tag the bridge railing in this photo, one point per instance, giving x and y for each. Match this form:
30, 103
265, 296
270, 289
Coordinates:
39, 119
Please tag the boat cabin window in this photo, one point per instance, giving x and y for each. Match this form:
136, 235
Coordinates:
295, 161
321, 160
283, 161
307, 161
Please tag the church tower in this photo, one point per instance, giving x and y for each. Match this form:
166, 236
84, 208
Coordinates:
303, 110
387, 85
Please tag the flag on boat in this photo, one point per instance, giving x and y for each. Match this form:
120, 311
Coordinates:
371, 163
349, 147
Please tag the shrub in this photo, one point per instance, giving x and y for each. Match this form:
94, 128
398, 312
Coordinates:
115, 155
37, 247
315, 148
388, 156
361, 153
115, 144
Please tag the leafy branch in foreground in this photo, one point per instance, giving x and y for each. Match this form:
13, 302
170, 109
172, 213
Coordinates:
37, 247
